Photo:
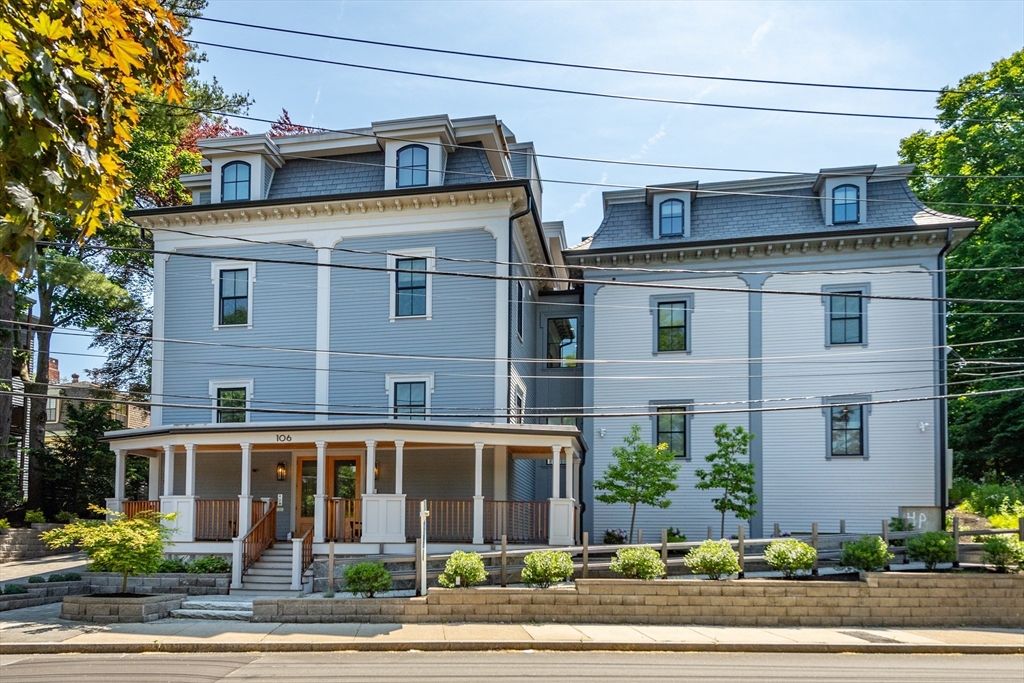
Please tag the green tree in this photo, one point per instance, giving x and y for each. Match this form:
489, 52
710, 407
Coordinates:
127, 546
10, 484
642, 473
974, 165
735, 478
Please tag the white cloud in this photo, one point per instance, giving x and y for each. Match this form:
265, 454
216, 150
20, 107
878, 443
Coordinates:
760, 33
582, 200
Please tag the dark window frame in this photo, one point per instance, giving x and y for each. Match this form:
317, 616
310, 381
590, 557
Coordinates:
408, 410
410, 290
828, 300
236, 183
662, 217
657, 413
222, 299
832, 404
559, 362
844, 204
412, 167
225, 409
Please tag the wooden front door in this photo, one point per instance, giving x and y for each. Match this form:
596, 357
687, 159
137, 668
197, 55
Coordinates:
343, 489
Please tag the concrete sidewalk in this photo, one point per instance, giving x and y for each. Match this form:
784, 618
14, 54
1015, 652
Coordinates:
37, 630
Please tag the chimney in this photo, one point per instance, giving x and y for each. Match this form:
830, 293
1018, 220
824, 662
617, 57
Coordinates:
74, 378
53, 374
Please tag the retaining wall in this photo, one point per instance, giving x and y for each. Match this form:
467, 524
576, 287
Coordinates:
188, 584
42, 594
876, 600
102, 610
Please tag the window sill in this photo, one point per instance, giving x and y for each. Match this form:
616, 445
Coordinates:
410, 317
846, 345
846, 457
683, 352
246, 326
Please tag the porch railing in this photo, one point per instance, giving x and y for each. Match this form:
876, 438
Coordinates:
260, 537
449, 521
307, 551
216, 520
130, 508
342, 520
258, 508
519, 521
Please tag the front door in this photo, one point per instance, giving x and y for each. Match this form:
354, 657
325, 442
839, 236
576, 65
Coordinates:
343, 508
306, 498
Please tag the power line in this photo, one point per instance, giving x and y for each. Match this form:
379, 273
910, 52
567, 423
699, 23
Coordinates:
589, 67
584, 93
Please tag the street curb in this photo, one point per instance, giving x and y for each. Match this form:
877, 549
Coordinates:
482, 646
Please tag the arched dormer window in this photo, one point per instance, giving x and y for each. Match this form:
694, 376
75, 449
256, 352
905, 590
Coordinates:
234, 182
846, 204
412, 166
670, 218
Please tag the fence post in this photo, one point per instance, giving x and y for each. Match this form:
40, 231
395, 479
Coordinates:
330, 566
814, 544
956, 539
504, 560
842, 526
664, 548
711, 533
418, 564
885, 537
777, 531
739, 549
586, 552
1020, 529
296, 564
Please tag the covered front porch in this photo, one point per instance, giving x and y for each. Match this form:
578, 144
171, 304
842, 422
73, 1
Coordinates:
359, 485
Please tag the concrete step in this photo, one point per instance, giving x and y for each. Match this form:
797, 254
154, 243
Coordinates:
269, 571
263, 578
215, 614
217, 603
259, 594
264, 588
281, 564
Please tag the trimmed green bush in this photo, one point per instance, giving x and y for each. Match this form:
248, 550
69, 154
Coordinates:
36, 579
638, 562
15, 589
64, 517
174, 565
463, 570
932, 548
1003, 552
367, 578
866, 554
34, 517
675, 535
790, 557
545, 567
70, 576
4, 524
715, 559
209, 565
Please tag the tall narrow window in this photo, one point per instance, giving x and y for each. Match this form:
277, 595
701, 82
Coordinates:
412, 166
517, 410
670, 222
561, 342
235, 182
519, 309
231, 404
847, 430
234, 297
410, 287
672, 429
410, 400
672, 326
846, 318
846, 204
52, 410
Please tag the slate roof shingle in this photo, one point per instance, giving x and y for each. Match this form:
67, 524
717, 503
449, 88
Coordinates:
467, 165
341, 174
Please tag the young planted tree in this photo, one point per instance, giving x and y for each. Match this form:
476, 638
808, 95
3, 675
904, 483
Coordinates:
728, 473
642, 473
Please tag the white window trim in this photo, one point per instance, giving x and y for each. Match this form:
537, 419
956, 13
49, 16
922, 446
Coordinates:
215, 268
216, 384
393, 256
389, 387
656, 203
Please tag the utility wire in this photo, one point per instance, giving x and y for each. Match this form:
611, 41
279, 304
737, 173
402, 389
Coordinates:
584, 93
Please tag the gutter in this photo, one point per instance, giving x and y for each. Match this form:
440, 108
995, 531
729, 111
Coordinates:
943, 426
511, 231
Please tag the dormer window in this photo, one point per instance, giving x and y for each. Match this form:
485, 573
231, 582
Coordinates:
670, 219
235, 182
846, 204
412, 166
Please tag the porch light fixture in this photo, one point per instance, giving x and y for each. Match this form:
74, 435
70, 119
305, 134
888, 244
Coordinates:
282, 471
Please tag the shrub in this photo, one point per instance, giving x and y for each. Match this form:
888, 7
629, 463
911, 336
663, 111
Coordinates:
932, 548
209, 565
70, 576
462, 570
1008, 514
866, 554
614, 537
4, 524
899, 524
15, 589
1003, 552
545, 567
961, 490
676, 535
638, 562
713, 558
367, 578
172, 566
34, 517
65, 517
36, 579
986, 499
790, 557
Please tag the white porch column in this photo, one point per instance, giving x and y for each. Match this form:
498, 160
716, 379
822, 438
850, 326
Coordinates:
320, 501
245, 496
190, 469
120, 462
371, 463
478, 494
168, 470
154, 477
569, 489
561, 511
556, 466
399, 464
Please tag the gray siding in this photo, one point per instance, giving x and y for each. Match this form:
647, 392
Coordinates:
331, 175
521, 479
523, 349
283, 312
462, 325
444, 473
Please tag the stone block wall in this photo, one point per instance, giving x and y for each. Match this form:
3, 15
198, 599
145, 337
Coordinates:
43, 594
98, 609
877, 600
188, 584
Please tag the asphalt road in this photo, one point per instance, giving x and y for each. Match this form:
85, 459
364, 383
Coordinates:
592, 667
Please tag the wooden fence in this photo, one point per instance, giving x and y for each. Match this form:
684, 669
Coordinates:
450, 521
342, 520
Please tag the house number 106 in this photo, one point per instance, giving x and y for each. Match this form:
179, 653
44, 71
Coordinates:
284, 437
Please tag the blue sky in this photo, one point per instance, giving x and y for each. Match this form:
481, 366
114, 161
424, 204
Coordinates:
902, 44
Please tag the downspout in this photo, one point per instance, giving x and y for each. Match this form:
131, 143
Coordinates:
943, 425
508, 372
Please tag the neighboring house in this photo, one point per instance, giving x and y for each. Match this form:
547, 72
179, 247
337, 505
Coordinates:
333, 374
62, 394
722, 341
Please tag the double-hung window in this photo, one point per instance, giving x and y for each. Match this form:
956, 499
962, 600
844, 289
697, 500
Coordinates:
671, 324
671, 428
410, 400
234, 297
846, 430
670, 218
411, 287
846, 204
561, 343
845, 318
412, 166
234, 186
231, 404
